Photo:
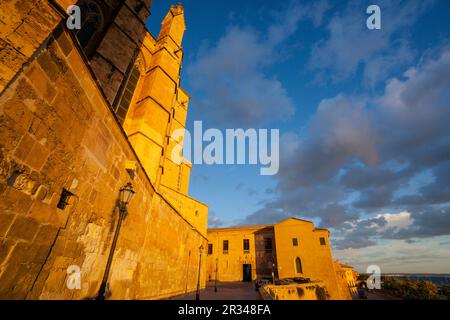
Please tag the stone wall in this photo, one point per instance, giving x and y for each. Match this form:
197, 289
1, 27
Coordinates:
193, 210
24, 25
230, 264
58, 132
295, 291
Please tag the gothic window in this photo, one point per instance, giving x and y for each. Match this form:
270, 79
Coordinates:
298, 265
96, 17
210, 248
127, 96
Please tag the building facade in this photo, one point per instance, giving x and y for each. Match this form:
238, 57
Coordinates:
82, 113
292, 248
349, 276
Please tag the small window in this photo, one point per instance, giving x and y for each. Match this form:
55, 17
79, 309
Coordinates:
295, 242
298, 265
225, 246
246, 245
322, 241
268, 244
210, 248
64, 199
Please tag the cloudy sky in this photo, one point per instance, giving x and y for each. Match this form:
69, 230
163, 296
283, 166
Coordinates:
364, 119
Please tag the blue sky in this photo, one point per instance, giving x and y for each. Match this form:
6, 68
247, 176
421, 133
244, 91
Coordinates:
363, 118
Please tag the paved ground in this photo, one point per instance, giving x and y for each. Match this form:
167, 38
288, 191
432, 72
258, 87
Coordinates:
246, 291
225, 291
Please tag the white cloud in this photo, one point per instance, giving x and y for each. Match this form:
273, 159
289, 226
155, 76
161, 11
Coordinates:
397, 220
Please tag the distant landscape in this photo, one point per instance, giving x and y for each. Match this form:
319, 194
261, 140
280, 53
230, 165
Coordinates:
437, 279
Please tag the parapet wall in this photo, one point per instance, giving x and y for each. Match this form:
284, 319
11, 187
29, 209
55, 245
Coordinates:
57, 131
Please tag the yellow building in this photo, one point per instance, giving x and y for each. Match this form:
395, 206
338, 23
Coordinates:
292, 248
82, 113
349, 274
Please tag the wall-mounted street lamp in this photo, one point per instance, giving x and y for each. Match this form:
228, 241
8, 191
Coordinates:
125, 196
200, 250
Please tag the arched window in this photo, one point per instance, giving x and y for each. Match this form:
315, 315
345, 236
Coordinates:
298, 265
96, 17
127, 96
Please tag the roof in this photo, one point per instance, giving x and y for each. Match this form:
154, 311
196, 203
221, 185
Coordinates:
259, 227
343, 265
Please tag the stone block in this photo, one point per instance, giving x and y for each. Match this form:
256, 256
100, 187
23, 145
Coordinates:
5, 248
23, 252
140, 8
11, 58
46, 235
24, 90
10, 133
109, 77
23, 228
126, 21
59, 217
15, 201
38, 129
21, 44
41, 83
18, 112
98, 145
42, 212
37, 156
41, 193
41, 253
64, 42
8, 280
56, 280
23, 149
117, 48
72, 250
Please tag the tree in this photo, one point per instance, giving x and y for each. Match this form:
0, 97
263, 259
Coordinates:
445, 290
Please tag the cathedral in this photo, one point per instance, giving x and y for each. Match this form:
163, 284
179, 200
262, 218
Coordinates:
86, 116
92, 206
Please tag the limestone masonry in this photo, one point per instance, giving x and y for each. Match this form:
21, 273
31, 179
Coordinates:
64, 98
